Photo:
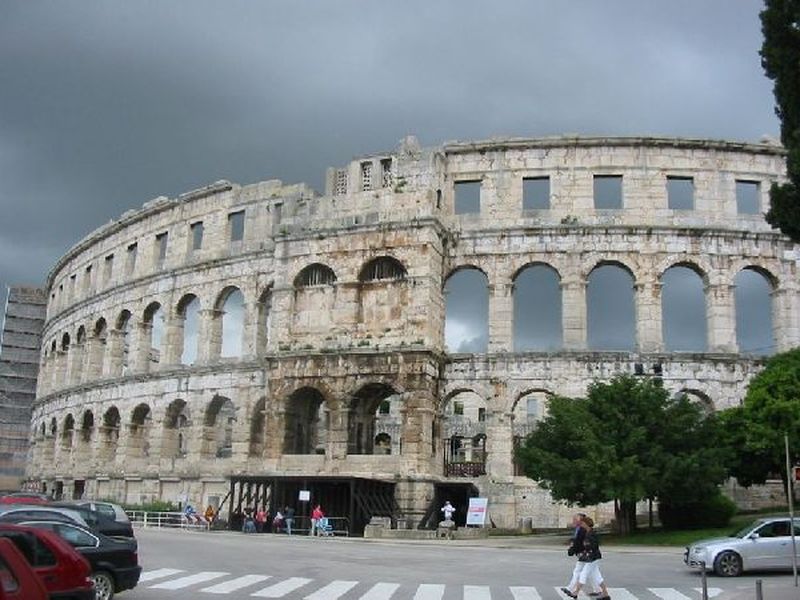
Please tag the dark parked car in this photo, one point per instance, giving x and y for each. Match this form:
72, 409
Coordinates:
18, 581
114, 561
62, 570
98, 521
14, 513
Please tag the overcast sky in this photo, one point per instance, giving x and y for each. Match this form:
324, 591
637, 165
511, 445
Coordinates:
107, 104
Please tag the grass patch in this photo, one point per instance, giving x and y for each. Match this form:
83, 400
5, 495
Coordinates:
659, 537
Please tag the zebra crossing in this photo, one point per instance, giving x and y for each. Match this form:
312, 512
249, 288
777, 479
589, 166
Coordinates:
222, 583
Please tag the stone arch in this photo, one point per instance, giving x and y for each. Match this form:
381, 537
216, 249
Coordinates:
313, 275
264, 320
42, 430
754, 287
87, 426
110, 433
306, 422
530, 406
700, 398
123, 356
611, 307
382, 443
141, 420
537, 317
218, 422
684, 323
176, 429
188, 312
693, 263
382, 268
464, 434
229, 322
363, 409
153, 322
68, 431
80, 336
258, 428
466, 324
53, 427
77, 360
100, 330
65, 342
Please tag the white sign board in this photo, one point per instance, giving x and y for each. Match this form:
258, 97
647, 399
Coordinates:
305, 495
476, 513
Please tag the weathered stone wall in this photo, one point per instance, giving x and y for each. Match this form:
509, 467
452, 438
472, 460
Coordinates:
327, 335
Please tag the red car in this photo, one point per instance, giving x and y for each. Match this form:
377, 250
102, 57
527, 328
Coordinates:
64, 572
24, 498
18, 581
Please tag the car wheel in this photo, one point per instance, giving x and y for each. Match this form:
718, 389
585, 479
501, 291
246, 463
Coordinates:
103, 585
728, 564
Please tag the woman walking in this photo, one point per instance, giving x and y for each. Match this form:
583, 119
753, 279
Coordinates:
589, 557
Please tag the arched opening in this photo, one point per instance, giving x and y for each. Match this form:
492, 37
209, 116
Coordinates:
464, 430
154, 323
306, 422
611, 309
176, 430
219, 421
382, 268
189, 314
98, 347
125, 326
139, 442
78, 356
231, 305
65, 342
67, 432
53, 427
527, 411
537, 309
110, 430
313, 302
363, 411
313, 275
699, 398
257, 431
683, 309
466, 324
87, 426
753, 299
383, 444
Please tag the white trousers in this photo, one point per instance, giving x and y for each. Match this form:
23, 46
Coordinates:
586, 572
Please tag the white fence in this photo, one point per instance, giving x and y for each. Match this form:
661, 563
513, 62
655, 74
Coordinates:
159, 520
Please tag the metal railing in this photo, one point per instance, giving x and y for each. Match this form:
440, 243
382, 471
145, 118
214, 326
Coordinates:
160, 520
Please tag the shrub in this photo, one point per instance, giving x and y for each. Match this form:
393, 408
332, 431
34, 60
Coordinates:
711, 512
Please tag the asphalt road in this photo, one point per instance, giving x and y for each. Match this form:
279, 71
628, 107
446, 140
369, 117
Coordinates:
183, 565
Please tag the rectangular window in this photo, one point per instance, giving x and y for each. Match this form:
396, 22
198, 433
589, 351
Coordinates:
278, 216
608, 191
481, 415
747, 197
87, 278
72, 279
385, 407
535, 193
458, 407
108, 267
196, 230
386, 172
680, 193
340, 184
161, 247
366, 176
468, 197
130, 266
236, 226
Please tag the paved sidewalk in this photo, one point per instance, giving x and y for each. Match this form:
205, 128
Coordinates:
772, 590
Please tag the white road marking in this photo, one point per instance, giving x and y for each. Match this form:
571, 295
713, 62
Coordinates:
158, 574
621, 594
669, 594
524, 593
279, 590
429, 591
381, 591
183, 582
477, 592
226, 587
333, 590
712, 592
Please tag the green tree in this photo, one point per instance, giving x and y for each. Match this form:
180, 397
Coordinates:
755, 430
627, 441
780, 57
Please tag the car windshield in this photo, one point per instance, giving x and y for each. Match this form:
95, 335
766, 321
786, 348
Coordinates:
740, 533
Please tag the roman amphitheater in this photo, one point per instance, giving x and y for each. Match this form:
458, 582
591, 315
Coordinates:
372, 345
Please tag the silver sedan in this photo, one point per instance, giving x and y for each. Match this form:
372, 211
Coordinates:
765, 544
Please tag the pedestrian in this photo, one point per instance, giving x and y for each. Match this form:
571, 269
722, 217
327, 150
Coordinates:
448, 511
209, 514
249, 525
316, 516
277, 522
261, 518
589, 556
288, 519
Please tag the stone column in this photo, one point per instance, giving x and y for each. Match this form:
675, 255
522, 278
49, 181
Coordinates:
60, 372
338, 421
418, 417
501, 317
140, 347
499, 446
721, 318
785, 318
114, 350
649, 335
172, 345
93, 368
209, 335
76, 354
573, 313
250, 330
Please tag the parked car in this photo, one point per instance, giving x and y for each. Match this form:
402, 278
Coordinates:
62, 570
98, 521
18, 581
114, 561
24, 498
765, 544
111, 510
14, 513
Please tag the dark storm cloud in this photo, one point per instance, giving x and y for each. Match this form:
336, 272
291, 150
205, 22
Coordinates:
104, 105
